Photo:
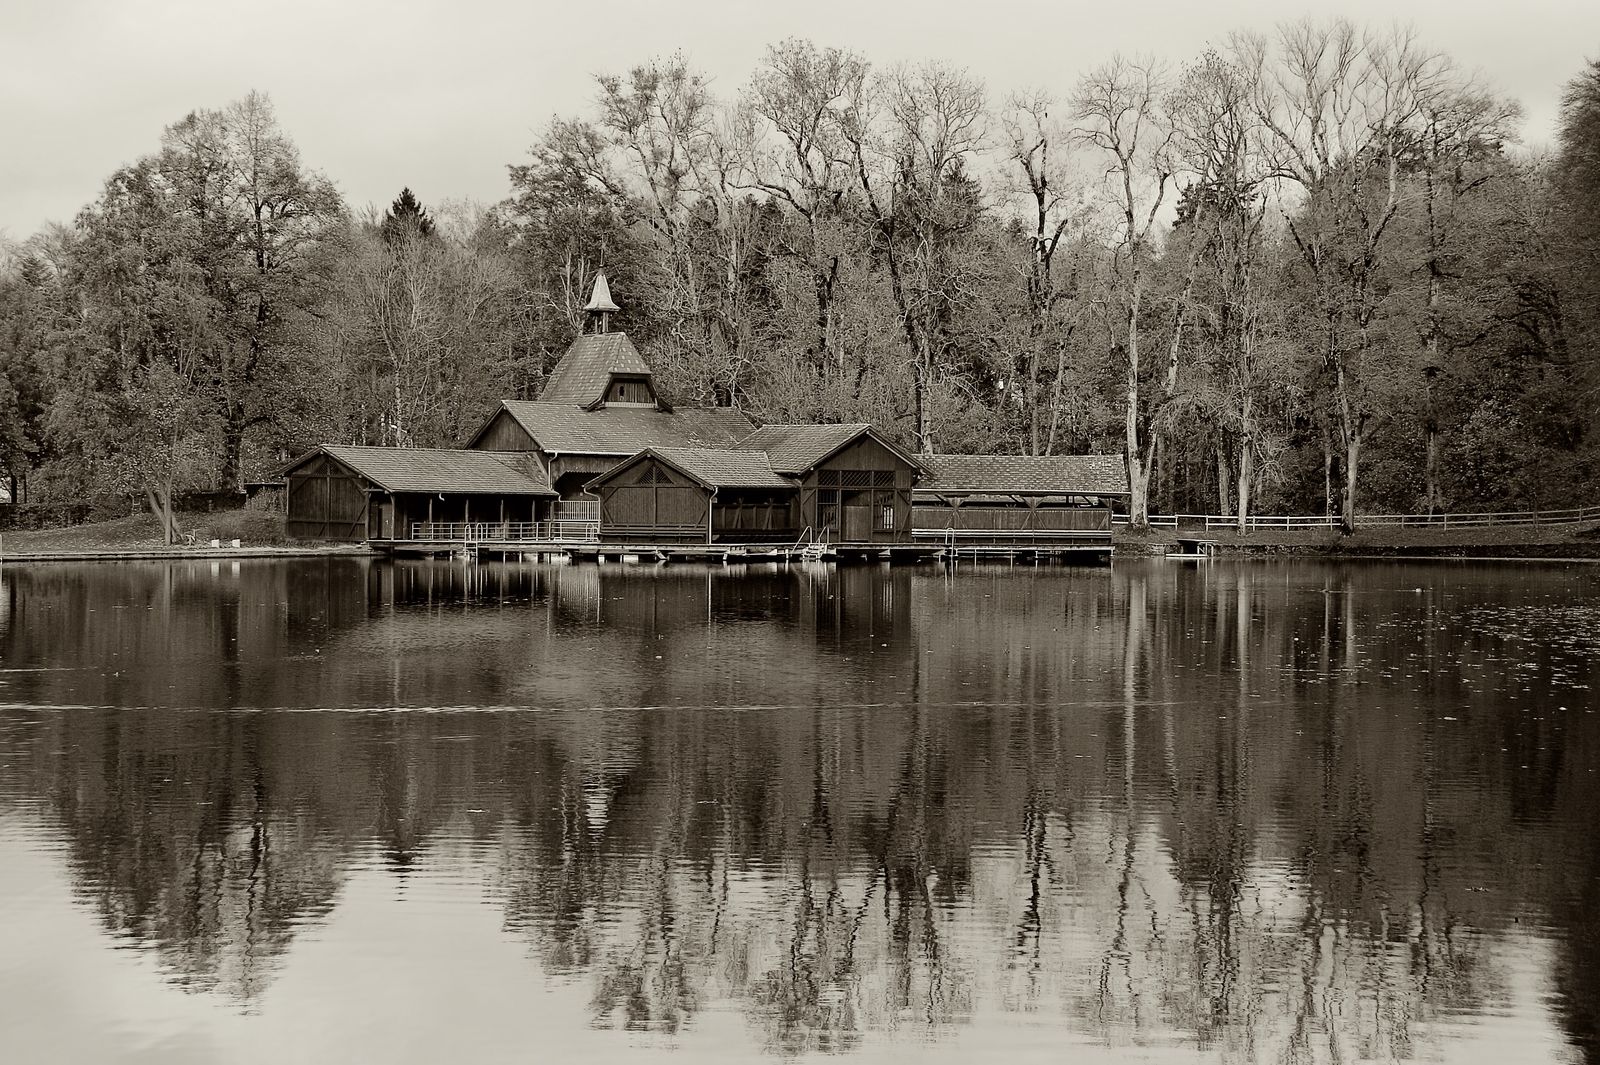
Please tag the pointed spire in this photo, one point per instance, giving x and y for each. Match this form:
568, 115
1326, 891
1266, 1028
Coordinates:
600, 304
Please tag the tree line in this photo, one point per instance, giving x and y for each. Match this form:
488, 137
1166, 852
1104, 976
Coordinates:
1301, 271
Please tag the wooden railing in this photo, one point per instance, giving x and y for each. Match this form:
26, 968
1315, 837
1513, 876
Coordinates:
505, 531
575, 510
1567, 516
1012, 537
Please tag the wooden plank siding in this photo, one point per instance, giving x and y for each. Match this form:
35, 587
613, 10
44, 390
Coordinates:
325, 500
503, 433
861, 494
654, 503
630, 390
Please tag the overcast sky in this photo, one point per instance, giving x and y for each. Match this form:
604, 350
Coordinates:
442, 94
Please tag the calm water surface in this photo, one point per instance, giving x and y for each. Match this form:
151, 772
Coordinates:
339, 811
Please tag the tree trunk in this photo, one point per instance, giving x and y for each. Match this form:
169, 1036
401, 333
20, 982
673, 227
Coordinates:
1224, 477
1435, 496
1247, 462
1247, 476
1138, 473
1352, 459
232, 447
920, 402
1327, 468
160, 499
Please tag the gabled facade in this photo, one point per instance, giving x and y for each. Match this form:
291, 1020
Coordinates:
854, 484
697, 495
599, 407
356, 494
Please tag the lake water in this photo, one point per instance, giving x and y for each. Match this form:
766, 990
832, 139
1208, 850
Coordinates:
347, 811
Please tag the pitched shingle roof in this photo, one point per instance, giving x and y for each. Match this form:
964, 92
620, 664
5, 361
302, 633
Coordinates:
726, 468
559, 427
426, 469
580, 378
794, 449
1059, 474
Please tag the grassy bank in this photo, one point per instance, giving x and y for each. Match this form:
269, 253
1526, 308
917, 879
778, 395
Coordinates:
139, 535
1491, 541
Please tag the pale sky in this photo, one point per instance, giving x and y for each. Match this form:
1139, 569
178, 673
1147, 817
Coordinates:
441, 95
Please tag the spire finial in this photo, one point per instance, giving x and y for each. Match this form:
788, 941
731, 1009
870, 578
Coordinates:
600, 302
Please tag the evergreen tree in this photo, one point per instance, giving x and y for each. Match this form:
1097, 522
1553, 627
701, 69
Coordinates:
406, 217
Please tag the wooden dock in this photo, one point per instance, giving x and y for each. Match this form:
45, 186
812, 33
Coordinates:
1073, 551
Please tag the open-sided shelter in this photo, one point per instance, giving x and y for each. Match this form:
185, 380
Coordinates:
354, 493
1019, 494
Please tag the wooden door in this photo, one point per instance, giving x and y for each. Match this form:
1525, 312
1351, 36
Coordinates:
858, 523
386, 520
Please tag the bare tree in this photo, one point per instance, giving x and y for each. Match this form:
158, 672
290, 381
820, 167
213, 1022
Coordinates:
911, 134
1342, 110
1460, 125
1035, 146
1224, 212
1119, 112
801, 157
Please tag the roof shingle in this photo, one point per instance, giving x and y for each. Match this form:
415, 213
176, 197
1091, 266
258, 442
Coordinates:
580, 378
722, 468
1060, 474
559, 427
426, 469
794, 449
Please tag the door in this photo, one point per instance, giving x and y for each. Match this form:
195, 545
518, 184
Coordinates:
386, 520
858, 518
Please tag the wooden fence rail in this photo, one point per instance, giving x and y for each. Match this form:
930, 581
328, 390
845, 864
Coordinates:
499, 531
1567, 516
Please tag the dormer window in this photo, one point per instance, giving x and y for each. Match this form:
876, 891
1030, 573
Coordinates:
629, 392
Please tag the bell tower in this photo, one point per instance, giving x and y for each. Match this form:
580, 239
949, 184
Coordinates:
599, 307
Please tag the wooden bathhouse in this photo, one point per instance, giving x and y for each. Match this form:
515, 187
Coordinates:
601, 457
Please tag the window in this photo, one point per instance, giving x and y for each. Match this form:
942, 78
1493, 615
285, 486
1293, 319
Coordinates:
827, 508
884, 513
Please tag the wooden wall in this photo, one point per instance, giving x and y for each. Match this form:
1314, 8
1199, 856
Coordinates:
504, 433
653, 503
630, 391
860, 495
325, 501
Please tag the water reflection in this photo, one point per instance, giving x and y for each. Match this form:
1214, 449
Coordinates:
1248, 813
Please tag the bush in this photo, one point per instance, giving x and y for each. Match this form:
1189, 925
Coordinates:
267, 501
248, 526
22, 516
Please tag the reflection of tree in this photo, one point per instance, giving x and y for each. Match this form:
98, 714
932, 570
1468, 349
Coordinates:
182, 843
1218, 805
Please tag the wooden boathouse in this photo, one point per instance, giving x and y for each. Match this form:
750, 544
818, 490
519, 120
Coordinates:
358, 494
676, 495
839, 484
602, 462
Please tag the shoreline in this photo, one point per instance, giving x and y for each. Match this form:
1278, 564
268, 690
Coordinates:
180, 555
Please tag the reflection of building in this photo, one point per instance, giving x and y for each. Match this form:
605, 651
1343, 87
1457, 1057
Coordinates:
602, 455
